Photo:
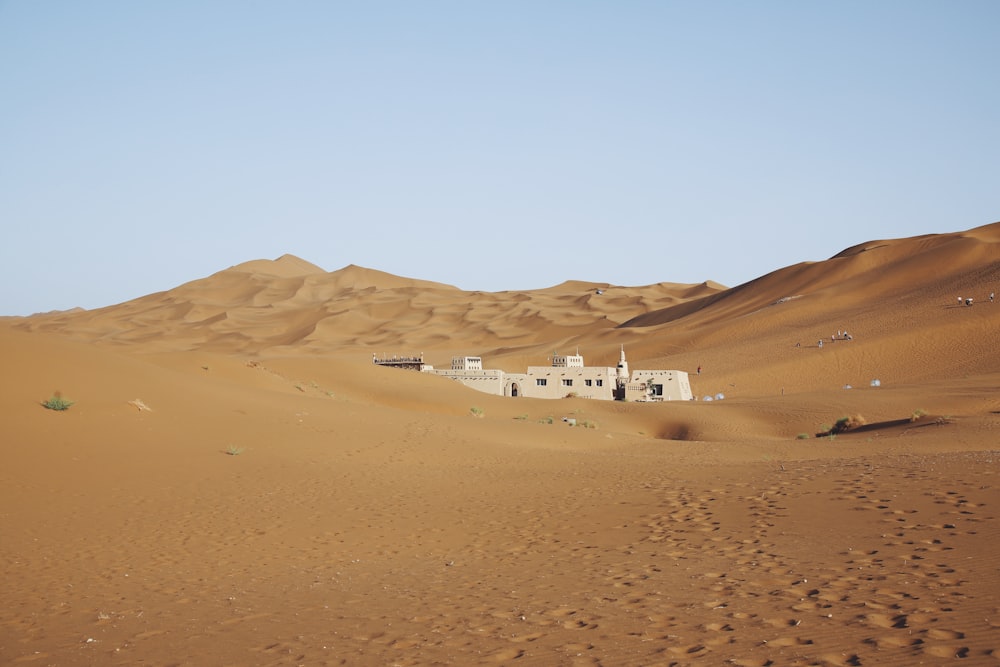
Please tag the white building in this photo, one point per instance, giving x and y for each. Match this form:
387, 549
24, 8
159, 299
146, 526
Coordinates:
658, 386
568, 376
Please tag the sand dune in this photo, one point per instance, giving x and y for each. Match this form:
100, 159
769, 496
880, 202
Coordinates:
236, 484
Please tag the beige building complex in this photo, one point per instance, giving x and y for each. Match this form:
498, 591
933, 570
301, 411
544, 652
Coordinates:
567, 376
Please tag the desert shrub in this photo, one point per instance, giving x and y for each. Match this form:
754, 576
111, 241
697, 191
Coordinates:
476, 412
917, 414
521, 417
546, 420
588, 424
57, 402
233, 450
803, 436
572, 394
845, 424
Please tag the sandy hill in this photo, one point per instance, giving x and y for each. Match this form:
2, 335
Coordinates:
286, 266
898, 299
290, 306
236, 484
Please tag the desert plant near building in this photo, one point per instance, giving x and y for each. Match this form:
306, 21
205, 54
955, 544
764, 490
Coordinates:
477, 412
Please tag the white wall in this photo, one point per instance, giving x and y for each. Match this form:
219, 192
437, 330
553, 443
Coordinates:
562, 381
675, 385
489, 382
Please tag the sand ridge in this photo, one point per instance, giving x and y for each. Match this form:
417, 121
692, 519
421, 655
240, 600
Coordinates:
278, 500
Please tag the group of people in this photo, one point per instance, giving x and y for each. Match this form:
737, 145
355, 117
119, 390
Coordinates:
840, 335
968, 300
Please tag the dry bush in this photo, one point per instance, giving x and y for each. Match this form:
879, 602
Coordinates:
845, 424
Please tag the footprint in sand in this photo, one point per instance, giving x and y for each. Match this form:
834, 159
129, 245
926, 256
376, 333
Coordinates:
894, 641
886, 621
693, 651
947, 651
783, 642
840, 659
717, 627
940, 633
506, 655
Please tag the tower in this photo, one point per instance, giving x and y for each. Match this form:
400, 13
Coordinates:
621, 378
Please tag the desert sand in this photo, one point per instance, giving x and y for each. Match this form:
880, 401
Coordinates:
236, 484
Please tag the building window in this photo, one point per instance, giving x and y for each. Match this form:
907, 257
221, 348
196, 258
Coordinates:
589, 383
600, 383
541, 382
567, 382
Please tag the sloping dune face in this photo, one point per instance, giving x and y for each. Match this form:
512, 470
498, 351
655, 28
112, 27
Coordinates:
233, 481
291, 306
898, 300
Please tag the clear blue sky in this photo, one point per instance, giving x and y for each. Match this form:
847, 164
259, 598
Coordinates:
489, 145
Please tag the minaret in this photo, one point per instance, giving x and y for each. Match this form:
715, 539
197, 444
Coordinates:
622, 377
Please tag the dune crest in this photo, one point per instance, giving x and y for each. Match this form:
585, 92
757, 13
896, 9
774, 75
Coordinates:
286, 266
263, 304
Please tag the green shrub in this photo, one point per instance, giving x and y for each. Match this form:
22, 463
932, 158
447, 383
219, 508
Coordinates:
917, 414
521, 417
477, 412
57, 402
803, 436
233, 450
